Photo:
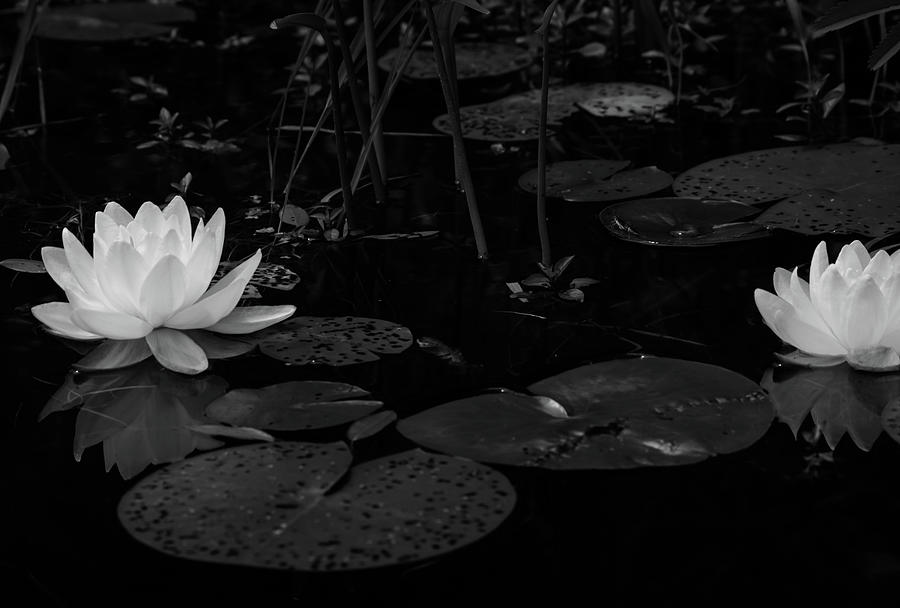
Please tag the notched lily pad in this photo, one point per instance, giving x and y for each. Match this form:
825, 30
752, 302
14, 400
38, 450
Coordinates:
839, 399
277, 506
473, 60
619, 414
333, 340
596, 181
681, 222
293, 406
842, 188
517, 117
628, 100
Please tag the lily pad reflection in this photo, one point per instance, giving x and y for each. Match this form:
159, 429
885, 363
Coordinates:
839, 399
614, 415
299, 506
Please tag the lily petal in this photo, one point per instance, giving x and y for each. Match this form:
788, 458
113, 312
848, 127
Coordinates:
247, 319
781, 279
82, 265
111, 324
150, 218
178, 217
201, 267
121, 272
162, 294
57, 316
176, 351
865, 316
830, 300
852, 259
783, 320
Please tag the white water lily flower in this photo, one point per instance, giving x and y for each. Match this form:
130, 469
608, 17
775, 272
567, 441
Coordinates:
148, 277
848, 311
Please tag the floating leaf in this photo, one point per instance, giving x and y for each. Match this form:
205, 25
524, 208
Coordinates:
110, 22
333, 340
276, 506
293, 406
370, 425
563, 176
621, 414
294, 216
273, 276
628, 100
681, 222
841, 188
473, 60
840, 400
517, 117
20, 265
402, 236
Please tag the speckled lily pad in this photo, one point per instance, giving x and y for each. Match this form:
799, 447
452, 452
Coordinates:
628, 100
333, 340
681, 222
839, 399
517, 117
293, 406
273, 276
596, 181
614, 415
278, 506
842, 188
473, 60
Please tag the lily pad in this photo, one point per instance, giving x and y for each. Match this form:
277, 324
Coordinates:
111, 22
681, 222
614, 415
273, 276
842, 188
517, 117
23, 265
597, 181
279, 506
473, 60
839, 399
293, 406
628, 100
333, 340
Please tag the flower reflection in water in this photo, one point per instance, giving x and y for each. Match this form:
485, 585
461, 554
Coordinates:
149, 276
144, 414
839, 399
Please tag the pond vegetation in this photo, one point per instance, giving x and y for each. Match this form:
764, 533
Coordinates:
451, 301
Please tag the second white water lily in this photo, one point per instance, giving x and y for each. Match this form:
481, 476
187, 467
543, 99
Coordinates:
847, 311
149, 277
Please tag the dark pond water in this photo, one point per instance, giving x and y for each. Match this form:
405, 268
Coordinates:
786, 519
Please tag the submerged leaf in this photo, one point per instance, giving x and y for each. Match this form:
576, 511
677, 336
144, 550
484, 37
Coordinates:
370, 425
276, 506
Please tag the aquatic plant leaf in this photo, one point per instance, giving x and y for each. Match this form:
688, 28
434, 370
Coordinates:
473, 60
627, 184
370, 425
294, 216
839, 399
131, 12
293, 406
517, 117
844, 188
681, 222
848, 13
278, 506
890, 419
112, 22
402, 236
22, 265
628, 100
565, 175
619, 414
273, 276
333, 340
887, 48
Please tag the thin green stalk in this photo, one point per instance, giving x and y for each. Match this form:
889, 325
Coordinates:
372, 72
362, 117
543, 228
463, 175
29, 21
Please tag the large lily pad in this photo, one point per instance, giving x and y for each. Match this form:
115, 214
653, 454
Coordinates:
293, 406
596, 181
111, 22
279, 506
333, 340
681, 222
840, 400
842, 188
473, 60
615, 415
517, 117
628, 100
